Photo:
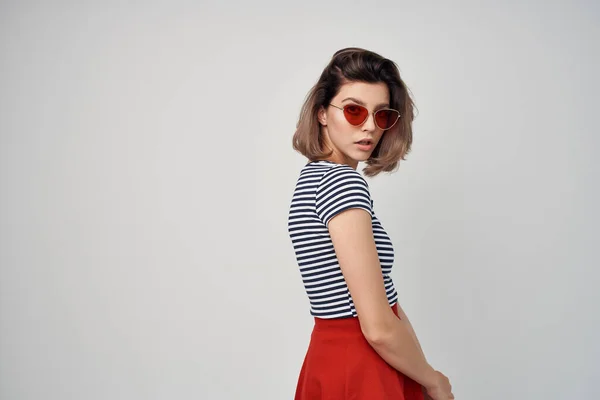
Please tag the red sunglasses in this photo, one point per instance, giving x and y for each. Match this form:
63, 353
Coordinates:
356, 115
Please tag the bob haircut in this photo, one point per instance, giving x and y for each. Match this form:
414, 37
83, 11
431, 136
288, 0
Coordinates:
358, 65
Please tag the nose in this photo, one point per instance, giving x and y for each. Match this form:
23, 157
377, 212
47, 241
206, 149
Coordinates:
369, 124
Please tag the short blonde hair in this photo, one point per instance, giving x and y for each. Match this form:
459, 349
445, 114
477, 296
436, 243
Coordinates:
358, 65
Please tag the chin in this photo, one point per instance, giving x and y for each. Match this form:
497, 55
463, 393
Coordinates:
360, 157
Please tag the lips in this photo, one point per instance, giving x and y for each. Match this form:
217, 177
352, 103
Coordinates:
365, 145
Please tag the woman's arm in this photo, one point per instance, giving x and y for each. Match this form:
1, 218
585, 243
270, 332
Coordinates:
404, 318
409, 326
352, 236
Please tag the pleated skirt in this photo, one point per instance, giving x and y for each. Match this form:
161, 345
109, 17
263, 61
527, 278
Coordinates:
341, 365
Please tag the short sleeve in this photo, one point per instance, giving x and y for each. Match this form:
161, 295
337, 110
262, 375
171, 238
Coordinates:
340, 189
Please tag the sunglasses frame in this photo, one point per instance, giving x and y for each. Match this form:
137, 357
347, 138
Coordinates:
369, 113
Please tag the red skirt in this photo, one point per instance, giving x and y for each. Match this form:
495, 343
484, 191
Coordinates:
341, 365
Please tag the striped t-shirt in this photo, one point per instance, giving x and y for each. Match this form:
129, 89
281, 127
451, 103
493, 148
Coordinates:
323, 190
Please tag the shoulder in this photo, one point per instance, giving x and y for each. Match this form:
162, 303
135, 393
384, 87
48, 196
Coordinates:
341, 188
342, 176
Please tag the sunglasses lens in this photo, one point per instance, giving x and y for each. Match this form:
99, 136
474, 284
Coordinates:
355, 115
385, 119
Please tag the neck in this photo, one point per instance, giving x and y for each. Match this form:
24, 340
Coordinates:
337, 156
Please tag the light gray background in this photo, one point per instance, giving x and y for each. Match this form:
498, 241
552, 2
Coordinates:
146, 171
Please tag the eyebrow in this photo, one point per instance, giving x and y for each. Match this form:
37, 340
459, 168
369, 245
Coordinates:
362, 103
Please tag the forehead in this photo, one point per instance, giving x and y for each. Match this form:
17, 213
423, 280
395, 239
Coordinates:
371, 94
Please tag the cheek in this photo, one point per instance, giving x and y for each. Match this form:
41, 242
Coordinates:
378, 139
338, 126
338, 120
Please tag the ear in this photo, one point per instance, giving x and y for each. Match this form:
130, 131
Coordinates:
322, 116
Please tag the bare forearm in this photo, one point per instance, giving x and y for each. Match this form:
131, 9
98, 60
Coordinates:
399, 349
409, 326
404, 318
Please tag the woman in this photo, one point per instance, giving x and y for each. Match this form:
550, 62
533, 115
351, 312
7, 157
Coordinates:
363, 345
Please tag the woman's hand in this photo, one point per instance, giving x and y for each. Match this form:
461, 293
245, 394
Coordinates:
441, 390
426, 395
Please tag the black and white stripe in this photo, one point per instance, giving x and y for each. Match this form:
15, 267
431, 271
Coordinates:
325, 189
